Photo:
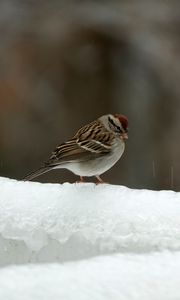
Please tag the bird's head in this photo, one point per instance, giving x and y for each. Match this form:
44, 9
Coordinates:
116, 123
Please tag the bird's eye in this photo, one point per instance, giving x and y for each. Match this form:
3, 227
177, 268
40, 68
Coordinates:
116, 127
119, 129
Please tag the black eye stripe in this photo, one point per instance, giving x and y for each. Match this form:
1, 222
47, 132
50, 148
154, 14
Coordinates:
112, 122
117, 127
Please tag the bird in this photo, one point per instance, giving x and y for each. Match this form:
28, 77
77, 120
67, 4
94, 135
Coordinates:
93, 150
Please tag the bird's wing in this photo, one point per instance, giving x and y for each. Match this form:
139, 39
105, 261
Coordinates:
95, 138
90, 141
66, 152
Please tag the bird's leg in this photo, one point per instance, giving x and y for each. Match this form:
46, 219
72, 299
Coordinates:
81, 180
99, 180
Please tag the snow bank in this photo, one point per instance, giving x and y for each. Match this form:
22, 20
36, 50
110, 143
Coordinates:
61, 222
115, 277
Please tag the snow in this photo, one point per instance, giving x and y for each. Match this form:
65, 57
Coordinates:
116, 277
95, 242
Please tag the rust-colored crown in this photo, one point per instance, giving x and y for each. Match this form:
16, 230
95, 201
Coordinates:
124, 121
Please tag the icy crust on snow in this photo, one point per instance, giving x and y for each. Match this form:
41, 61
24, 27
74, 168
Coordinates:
122, 276
61, 222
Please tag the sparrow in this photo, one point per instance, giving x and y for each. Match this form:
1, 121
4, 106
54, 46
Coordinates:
93, 150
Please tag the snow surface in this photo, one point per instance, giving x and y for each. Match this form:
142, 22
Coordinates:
115, 277
54, 222
134, 234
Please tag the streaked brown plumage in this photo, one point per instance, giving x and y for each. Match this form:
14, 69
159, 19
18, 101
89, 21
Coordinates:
92, 147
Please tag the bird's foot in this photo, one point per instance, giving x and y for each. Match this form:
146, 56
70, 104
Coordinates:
99, 180
81, 180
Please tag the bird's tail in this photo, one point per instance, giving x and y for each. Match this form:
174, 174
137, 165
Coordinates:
37, 173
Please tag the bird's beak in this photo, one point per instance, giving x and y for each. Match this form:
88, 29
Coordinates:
124, 136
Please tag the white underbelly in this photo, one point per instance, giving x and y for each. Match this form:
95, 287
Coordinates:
96, 166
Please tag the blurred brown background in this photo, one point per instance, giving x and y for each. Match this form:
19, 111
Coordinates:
65, 63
